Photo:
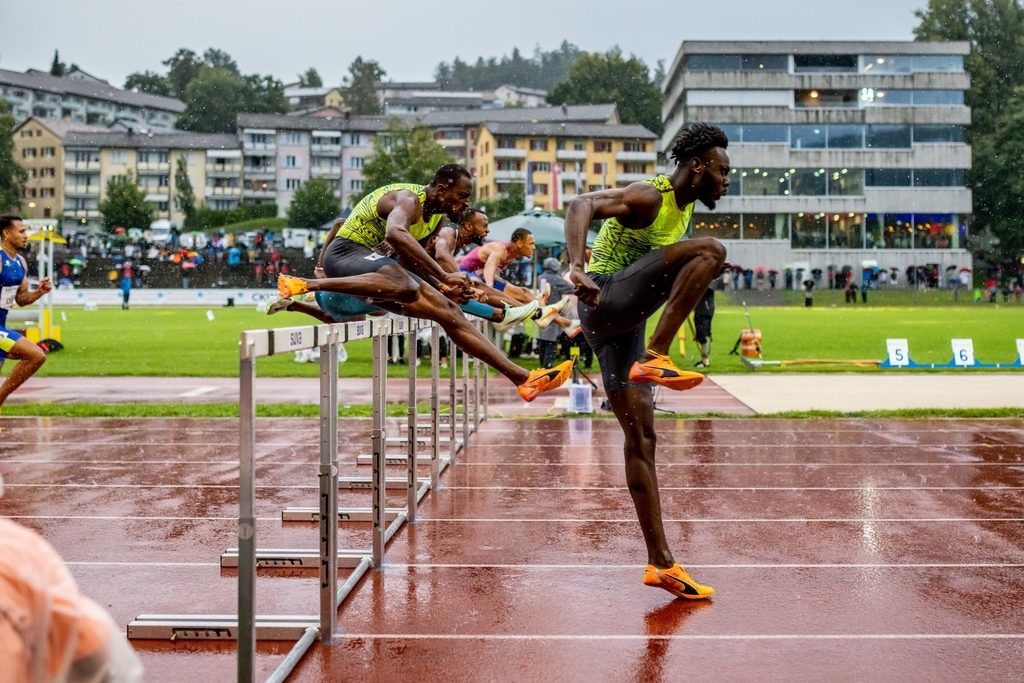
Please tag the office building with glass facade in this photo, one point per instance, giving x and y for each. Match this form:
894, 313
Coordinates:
842, 152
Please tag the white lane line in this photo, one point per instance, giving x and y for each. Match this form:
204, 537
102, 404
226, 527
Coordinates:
199, 391
128, 464
559, 447
149, 486
143, 564
735, 488
634, 567
135, 519
736, 520
723, 636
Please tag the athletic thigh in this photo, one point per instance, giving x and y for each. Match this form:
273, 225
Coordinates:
630, 296
616, 353
8, 340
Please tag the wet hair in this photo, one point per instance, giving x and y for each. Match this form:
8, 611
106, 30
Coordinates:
468, 214
449, 174
520, 234
8, 221
695, 139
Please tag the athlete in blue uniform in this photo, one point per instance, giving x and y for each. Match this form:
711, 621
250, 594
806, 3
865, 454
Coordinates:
14, 290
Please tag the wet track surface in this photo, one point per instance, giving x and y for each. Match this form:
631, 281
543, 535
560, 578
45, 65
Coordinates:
840, 549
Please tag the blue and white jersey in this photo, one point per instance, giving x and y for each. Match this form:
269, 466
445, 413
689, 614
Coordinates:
12, 273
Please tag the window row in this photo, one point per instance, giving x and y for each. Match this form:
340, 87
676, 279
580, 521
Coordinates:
541, 145
877, 97
836, 181
838, 230
842, 136
880, 64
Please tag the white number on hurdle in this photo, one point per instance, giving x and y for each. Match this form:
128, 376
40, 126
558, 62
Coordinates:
1020, 351
963, 352
899, 352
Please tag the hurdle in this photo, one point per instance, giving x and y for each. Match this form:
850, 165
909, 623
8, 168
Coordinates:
247, 626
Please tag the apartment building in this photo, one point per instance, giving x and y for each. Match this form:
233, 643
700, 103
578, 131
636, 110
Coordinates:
457, 131
39, 149
84, 100
516, 96
305, 99
281, 152
843, 153
557, 161
92, 158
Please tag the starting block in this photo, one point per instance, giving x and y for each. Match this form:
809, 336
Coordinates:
963, 356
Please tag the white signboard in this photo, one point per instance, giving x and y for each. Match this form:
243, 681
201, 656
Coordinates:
899, 352
1020, 351
963, 352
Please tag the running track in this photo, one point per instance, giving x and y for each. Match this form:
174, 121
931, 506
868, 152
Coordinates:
840, 549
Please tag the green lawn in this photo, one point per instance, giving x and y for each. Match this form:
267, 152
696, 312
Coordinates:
182, 342
859, 332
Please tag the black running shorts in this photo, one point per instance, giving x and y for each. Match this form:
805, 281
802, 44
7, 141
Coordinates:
345, 258
616, 329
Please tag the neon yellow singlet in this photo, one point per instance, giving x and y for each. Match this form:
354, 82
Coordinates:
367, 227
617, 246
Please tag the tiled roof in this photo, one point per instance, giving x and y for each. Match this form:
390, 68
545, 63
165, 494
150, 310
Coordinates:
83, 88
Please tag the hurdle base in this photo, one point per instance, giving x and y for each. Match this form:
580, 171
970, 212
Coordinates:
402, 459
292, 558
301, 514
366, 483
216, 627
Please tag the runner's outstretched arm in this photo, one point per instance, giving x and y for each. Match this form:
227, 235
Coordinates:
406, 212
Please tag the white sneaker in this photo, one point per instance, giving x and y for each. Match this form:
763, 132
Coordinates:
514, 316
545, 292
573, 329
549, 313
302, 356
276, 304
342, 353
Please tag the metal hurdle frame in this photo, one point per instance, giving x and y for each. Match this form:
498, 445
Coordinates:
247, 627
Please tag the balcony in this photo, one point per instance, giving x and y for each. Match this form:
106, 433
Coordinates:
82, 190
155, 194
325, 171
506, 153
507, 176
631, 177
81, 213
260, 171
97, 109
571, 155
573, 176
637, 156
223, 192
325, 149
258, 147
451, 142
14, 100
224, 170
153, 167
82, 166
262, 193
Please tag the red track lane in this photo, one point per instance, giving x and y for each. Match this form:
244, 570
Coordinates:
841, 550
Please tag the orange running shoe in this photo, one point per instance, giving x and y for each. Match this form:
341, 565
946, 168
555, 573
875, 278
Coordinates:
661, 370
544, 379
677, 582
288, 286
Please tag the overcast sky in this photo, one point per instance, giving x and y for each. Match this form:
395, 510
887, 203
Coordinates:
112, 38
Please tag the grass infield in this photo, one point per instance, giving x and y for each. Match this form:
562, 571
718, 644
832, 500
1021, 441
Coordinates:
182, 342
